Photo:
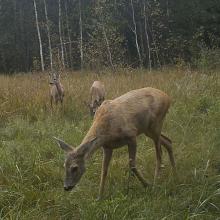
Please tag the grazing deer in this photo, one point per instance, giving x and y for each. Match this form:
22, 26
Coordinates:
56, 90
117, 123
97, 96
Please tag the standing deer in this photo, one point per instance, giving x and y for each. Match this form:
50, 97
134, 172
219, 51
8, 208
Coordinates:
117, 123
97, 96
56, 90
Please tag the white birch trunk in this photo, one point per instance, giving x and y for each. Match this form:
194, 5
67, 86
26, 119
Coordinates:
167, 4
61, 39
153, 40
81, 35
108, 48
135, 33
147, 37
39, 37
48, 35
155, 45
69, 37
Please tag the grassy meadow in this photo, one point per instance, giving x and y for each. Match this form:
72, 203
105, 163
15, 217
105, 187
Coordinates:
31, 164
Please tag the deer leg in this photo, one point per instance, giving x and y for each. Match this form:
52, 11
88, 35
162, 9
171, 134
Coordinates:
158, 158
61, 103
161, 154
132, 162
51, 102
107, 155
166, 142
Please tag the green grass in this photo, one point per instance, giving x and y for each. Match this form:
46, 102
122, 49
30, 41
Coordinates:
31, 164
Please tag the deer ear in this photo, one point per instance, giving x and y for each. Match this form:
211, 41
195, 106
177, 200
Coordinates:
66, 147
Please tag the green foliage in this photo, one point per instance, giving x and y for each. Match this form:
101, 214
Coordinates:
96, 56
31, 164
209, 59
176, 30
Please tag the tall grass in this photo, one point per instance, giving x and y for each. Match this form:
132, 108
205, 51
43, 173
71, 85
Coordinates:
31, 171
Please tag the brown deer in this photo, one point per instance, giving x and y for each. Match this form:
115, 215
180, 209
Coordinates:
117, 123
56, 90
97, 96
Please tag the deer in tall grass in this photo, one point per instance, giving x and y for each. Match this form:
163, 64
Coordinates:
117, 123
56, 90
97, 96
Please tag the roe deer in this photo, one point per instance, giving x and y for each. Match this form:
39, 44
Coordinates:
97, 96
56, 90
116, 123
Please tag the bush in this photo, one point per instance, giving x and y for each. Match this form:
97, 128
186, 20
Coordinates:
209, 59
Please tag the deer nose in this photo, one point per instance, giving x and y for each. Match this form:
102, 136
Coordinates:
68, 188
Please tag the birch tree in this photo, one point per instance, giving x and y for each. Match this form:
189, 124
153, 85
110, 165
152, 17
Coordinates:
69, 36
61, 38
48, 35
81, 35
135, 34
147, 36
108, 48
39, 36
154, 43
102, 8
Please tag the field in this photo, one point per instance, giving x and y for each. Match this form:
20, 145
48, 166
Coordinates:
31, 164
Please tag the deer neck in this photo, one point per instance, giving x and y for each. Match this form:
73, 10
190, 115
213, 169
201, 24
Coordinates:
95, 138
58, 86
89, 145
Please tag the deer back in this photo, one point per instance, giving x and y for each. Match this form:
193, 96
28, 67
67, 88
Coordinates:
138, 111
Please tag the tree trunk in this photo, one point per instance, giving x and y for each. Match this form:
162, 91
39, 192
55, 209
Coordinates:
66, 55
135, 33
167, 5
48, 35
81, 35
108, 48
15, 19
142, 48
69, 37
153, 41
39, 37
61, 39
147, 37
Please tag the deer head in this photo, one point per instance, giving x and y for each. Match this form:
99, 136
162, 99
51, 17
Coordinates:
93, 107
74, 165
54, 77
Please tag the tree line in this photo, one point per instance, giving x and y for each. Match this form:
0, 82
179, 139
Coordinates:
92, 34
